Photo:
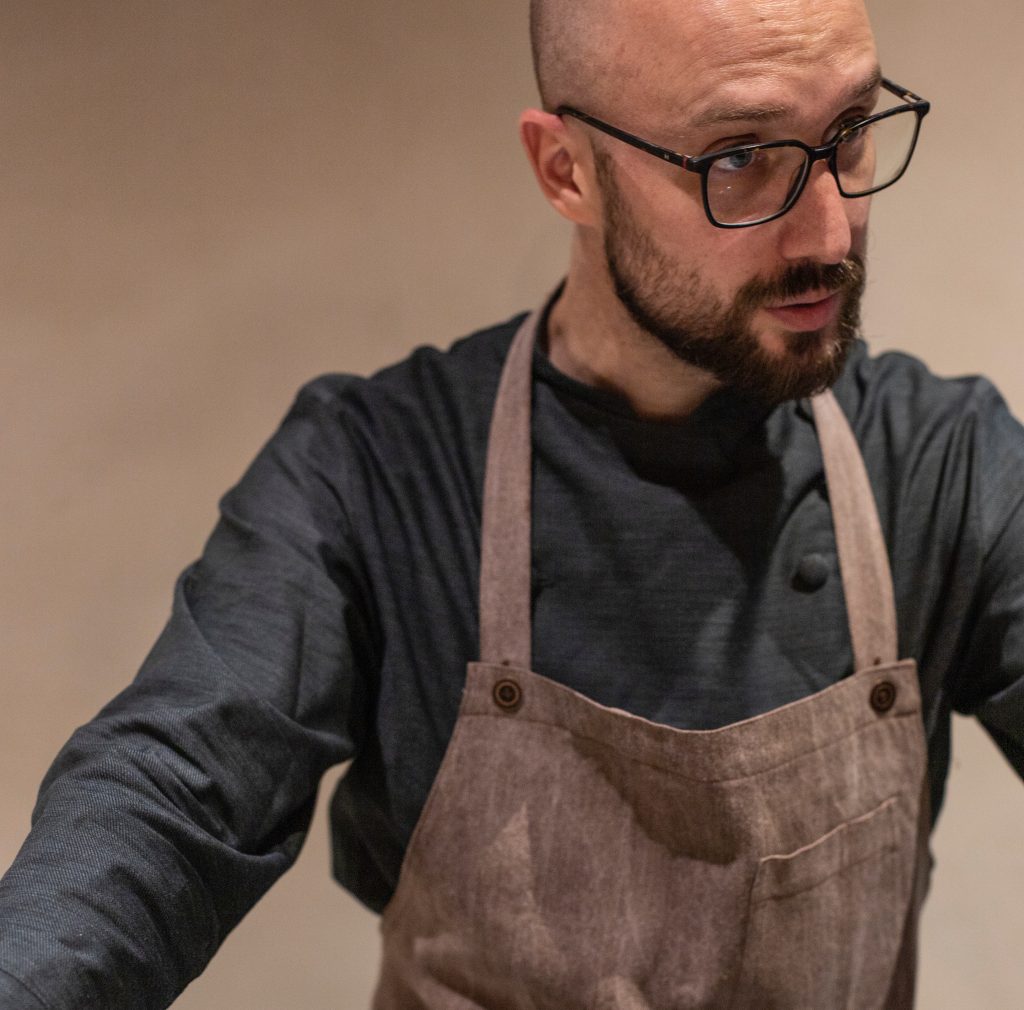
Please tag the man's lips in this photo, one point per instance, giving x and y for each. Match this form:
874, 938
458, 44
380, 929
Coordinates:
808, 312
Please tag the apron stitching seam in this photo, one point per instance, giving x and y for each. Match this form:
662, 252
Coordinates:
692, 778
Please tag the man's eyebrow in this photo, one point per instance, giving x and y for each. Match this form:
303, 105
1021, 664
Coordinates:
741, 113
870, 83
767, 113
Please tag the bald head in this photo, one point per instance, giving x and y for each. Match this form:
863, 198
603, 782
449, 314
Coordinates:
548, 37
615, 55
569, 43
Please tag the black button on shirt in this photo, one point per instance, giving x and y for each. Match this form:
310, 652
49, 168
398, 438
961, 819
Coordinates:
812, 573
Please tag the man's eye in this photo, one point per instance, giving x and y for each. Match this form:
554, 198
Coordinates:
852, 132
737, 161
849, 121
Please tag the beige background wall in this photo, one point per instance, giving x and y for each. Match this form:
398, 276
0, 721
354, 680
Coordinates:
206, 203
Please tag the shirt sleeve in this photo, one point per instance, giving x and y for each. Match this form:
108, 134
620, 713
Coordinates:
990, 678
165, 818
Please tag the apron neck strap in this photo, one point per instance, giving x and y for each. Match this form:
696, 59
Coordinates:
863, 556
505, 526
505, 530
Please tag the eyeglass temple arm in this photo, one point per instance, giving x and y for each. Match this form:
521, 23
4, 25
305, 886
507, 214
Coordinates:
672, 157
905, 93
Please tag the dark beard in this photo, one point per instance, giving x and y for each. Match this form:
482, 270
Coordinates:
719, 340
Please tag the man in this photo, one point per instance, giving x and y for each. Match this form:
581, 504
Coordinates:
709, 791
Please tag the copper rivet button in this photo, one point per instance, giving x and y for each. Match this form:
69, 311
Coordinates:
883, 696
508, 695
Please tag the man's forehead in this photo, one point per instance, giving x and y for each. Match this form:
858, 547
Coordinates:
740, 104
710, 54
702, 23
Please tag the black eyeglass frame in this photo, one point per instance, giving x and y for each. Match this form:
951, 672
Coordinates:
826, 152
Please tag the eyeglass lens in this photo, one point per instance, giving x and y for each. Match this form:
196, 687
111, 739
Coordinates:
750, 185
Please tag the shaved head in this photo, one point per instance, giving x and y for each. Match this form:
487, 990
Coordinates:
586, 51
570, 48
548, 41
654, 54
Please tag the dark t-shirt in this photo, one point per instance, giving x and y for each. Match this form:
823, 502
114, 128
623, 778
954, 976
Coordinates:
683, 571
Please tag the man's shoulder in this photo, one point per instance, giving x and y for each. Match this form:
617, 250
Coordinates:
467, 370
900, 392
429, 399
924, 433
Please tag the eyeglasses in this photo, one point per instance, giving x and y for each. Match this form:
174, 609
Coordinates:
755, 183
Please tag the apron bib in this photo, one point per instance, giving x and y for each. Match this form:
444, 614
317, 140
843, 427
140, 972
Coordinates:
571, 855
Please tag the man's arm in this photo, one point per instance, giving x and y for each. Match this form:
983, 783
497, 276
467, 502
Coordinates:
164, 819
990, 675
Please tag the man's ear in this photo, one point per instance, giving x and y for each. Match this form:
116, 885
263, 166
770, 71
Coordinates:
563, 165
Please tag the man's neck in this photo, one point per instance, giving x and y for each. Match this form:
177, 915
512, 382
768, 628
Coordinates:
593, 339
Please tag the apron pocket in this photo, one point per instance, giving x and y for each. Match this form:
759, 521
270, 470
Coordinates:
825, 922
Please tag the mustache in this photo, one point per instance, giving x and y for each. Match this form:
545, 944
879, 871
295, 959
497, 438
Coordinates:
804, 278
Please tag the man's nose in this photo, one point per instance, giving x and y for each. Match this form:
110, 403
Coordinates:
818, 228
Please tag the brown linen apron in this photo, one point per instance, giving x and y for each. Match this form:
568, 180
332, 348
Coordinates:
575, 856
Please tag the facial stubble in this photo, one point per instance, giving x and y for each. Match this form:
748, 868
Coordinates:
695, 324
